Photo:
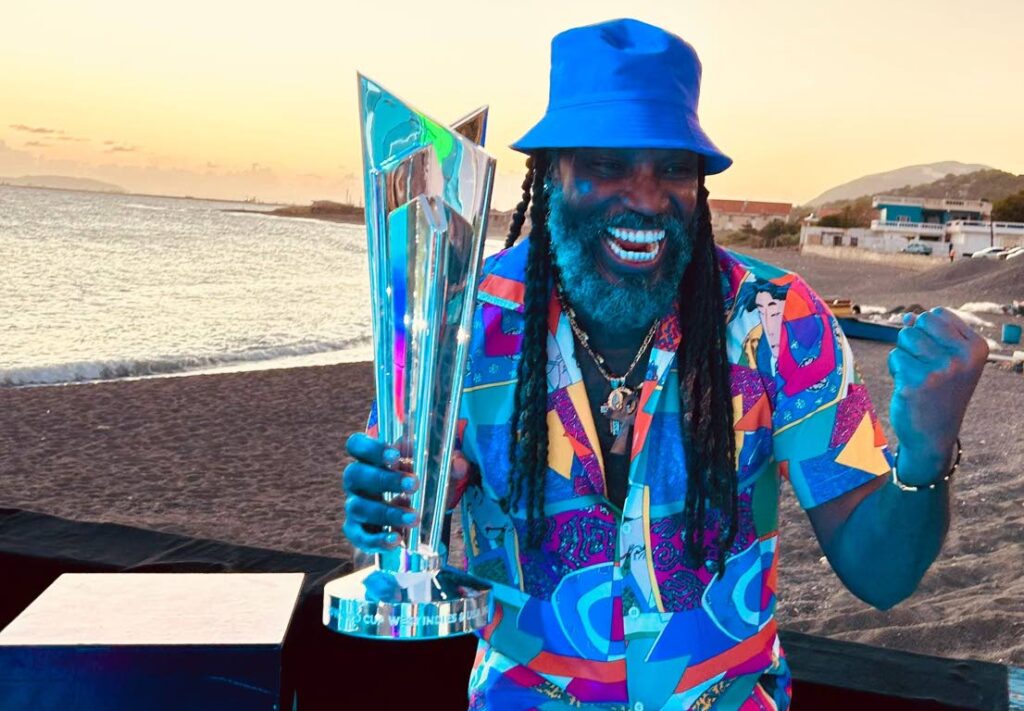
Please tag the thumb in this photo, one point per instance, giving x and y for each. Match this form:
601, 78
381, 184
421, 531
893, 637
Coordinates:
460, 466
458, 480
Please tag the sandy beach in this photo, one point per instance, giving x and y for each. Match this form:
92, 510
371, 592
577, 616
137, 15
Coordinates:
255, 458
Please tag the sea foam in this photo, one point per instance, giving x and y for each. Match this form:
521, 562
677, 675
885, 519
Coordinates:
295, 355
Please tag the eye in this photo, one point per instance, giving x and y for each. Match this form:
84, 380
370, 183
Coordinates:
678, 170
606, 167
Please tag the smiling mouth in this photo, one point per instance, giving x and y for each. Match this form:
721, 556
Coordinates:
635, 246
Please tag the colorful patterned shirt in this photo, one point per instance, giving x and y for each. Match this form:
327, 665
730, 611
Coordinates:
606, 614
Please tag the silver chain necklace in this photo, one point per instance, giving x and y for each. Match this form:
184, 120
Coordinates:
620, 407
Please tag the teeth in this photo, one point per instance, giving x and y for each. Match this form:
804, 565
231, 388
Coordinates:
638, 236
628, 256
651, 238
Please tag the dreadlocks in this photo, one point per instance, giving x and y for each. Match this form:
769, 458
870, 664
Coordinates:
705, 408
529, 443
705, 395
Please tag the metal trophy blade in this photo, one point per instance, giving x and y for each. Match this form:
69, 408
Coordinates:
428, 191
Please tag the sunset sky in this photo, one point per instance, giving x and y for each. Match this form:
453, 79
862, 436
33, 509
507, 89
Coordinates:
232, 99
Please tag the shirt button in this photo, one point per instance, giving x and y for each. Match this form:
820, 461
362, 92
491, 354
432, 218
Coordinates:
626, 528
638, 706
634, 611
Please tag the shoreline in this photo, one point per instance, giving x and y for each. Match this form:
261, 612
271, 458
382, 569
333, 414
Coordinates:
308, 360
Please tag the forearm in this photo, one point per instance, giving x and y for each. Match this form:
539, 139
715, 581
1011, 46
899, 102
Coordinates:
891, 538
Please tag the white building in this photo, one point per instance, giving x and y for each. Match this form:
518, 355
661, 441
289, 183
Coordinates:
729, 215
968, 236
936, 222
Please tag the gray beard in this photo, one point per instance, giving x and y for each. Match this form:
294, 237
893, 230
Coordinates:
632, 302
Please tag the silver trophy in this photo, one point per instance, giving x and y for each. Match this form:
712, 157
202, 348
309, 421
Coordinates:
428, 191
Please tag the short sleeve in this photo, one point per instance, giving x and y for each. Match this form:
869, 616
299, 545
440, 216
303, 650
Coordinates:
826, 436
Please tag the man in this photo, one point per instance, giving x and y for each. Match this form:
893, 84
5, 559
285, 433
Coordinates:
632, 397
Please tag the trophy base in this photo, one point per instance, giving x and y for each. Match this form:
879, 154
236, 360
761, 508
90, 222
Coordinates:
377, 604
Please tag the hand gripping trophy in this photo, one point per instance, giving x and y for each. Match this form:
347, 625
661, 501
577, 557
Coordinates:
428, 191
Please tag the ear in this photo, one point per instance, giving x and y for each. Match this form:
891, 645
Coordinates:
554, 166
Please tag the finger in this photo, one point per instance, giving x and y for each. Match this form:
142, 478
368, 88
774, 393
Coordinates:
368, 541
461, 473
401, 501
938, 324
916, 343
375, 513
382, 587
370, 450
909, 317
954, 322
460, 467
374, 482
903, 366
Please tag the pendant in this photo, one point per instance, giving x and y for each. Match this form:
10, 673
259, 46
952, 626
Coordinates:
620, 407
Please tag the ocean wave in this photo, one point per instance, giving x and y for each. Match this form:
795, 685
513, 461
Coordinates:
116, 369
268, 215
141, 206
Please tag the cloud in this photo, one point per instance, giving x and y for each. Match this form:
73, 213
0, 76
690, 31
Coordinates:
73, 138
37, 144
121, 149
109, 143
34, 129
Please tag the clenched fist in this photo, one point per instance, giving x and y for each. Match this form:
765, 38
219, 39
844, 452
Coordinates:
936, 365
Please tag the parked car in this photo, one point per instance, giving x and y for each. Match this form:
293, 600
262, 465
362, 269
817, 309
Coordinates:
990, 253
1014, 253
917, 248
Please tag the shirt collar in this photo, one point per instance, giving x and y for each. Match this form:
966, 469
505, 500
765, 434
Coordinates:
503, 283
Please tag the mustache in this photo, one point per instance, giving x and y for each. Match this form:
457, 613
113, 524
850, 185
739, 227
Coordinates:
636, 221
629, 220
598, 217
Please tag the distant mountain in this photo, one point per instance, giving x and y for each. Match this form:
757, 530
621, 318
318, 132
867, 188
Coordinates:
982, 184
63, 182
891, 180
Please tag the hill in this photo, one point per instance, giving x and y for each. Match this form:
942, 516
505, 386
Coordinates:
63, 182
894, 179
988, 184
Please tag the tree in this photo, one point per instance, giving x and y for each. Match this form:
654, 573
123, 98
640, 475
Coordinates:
855, 213
771, 232
832, 221
1009, 209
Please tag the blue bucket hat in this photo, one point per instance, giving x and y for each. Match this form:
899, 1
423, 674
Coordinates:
623, 84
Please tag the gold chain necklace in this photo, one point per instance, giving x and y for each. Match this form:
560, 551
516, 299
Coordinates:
620, 406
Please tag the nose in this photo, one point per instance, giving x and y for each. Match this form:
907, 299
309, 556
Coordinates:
643, 192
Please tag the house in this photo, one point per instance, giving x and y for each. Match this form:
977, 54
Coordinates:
902, 220
730, 215
938, 222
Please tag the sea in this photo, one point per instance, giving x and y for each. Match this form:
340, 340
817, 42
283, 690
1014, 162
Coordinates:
97, 286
